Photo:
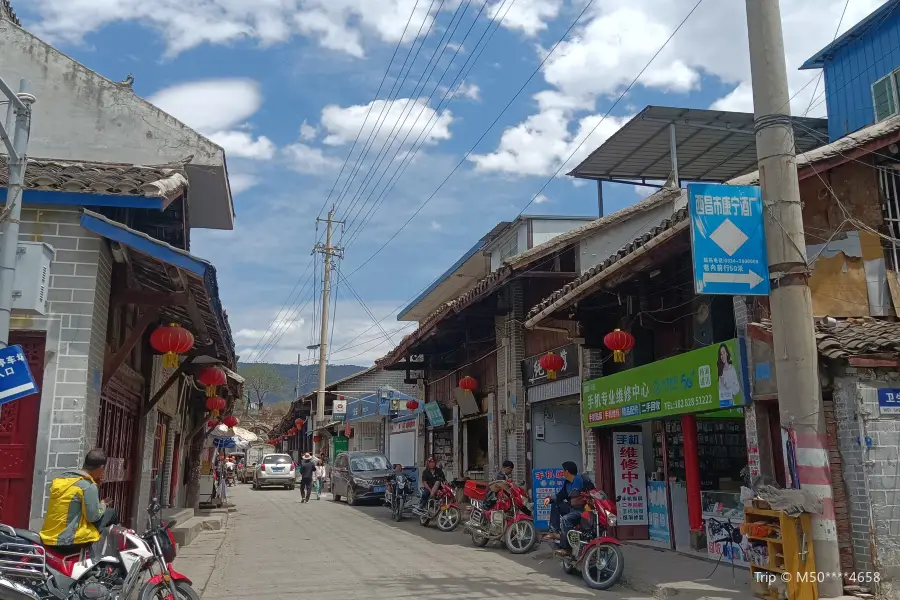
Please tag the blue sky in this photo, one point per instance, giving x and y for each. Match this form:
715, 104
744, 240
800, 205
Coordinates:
284, 85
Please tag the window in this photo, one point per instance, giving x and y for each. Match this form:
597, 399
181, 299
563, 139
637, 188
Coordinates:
277, 459
884, 96
509, 248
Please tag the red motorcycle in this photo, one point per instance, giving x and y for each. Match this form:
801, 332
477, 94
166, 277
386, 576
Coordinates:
594, 552
443, 507
501, 511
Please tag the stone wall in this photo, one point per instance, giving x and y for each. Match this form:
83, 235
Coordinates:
510, 388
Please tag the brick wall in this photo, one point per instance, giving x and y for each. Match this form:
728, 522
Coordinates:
838, 489
591, 368
510, 388
75, 326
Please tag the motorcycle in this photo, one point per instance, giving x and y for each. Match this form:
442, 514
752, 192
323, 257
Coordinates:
501, 511
594, 552
443, 507
111, 569
399, 496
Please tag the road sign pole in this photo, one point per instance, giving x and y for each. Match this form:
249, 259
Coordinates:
793, 329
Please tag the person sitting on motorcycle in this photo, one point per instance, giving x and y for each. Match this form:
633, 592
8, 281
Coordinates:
567, 504
75, 514
506, 472
431, 480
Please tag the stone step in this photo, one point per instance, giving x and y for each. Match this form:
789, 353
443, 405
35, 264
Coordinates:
179, 515
186, 531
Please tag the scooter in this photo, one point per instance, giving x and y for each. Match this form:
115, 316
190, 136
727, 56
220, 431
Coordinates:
443, 507
111, 569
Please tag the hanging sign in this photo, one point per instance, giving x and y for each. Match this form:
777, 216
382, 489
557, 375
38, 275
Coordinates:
434, 414
16, 380
403, 426
545, 483
533, 373
888, 401
339, 410
630, 482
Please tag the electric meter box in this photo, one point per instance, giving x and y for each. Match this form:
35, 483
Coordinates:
32, 278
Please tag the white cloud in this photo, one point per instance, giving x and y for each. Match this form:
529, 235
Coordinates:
543, 141
340, 25
387, 119
467, 90
306, 159
541, 199
241, 182
435, 226
217, 108
528, 16
307, 131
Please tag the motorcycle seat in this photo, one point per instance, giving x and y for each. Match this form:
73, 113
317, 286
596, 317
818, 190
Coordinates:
31, 536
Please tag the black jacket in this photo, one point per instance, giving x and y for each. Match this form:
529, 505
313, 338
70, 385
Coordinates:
307, 469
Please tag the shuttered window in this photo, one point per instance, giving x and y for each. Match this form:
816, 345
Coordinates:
884, 97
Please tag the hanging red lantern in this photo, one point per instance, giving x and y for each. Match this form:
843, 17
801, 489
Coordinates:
171, 340
468, 383
212, 423
412, 405
347, 431
211, 377
299, 423
215, 404
552, 364
317, 438
231, 421
619, 342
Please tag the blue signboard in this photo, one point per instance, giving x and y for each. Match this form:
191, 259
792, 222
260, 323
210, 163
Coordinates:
360, 408
728, 239
889, 401
658, 509
16, 380
545, 483
434, 414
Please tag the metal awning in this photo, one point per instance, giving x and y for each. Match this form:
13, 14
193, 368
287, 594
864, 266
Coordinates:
710, 145
182, 286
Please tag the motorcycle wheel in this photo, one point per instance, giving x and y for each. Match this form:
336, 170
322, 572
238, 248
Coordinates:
608, 572
161, 591
478, 540
448, 519
520, 537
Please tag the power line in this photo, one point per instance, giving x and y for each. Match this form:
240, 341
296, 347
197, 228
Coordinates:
368, 312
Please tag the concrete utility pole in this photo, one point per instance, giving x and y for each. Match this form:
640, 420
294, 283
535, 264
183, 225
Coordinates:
328, 251
793, 329
18, 118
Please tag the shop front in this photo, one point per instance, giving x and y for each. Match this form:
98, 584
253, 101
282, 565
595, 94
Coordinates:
554, 414
364, 422
672, 447
440, 435
403, 441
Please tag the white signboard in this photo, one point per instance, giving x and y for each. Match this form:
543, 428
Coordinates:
630, 480
339, 407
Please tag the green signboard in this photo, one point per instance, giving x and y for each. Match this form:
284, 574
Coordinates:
435, 417
708, 379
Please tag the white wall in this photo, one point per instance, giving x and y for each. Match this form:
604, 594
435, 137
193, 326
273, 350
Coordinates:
520, 232
544, 230
596, 248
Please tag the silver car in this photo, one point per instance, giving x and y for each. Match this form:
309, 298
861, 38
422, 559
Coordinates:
275, 469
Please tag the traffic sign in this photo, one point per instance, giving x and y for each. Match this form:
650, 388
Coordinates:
728, 239
16, 380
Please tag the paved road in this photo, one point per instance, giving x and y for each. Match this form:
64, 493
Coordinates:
277, 547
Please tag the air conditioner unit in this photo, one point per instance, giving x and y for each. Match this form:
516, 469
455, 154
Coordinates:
32, 278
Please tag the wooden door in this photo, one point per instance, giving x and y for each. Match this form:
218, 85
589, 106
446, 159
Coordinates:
117, 435
18, 438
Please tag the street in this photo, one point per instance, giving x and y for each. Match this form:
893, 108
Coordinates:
277, 546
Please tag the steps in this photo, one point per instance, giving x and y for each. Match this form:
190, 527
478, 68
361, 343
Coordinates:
185, 531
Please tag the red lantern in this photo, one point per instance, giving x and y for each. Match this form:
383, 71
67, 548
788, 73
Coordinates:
412, 404
317, 438
212, 423
171, 340
619, 342
468, 383
215, 404
299, 423
231, 421
348, 432
211, 377
552, 364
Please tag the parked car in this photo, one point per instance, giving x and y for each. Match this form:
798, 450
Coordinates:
275, 469
359, 476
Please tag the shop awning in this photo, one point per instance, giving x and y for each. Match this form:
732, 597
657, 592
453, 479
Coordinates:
183, 286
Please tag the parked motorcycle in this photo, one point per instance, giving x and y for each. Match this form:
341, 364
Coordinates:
443, 507
399, 496
501, 511
594, 552
111, 569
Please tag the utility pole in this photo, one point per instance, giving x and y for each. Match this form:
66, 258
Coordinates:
793, 329
297, 387
328, 251
18, 118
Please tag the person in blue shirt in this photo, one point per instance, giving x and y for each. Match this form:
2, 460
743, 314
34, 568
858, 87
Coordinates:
568, 505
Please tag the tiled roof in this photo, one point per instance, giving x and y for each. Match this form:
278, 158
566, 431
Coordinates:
852, 337
584, 283
163, 181
7, 12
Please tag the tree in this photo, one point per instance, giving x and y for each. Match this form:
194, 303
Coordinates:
261, 382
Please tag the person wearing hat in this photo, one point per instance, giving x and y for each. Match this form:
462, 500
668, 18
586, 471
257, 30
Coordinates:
307, 470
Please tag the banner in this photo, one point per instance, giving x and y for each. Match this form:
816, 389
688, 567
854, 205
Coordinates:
707, 379
630, 482
658, 509
545, 483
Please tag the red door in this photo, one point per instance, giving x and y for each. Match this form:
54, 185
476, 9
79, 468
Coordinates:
18, 438
116, 434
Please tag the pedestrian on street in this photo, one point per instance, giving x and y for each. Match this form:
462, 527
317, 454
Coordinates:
307, 472
320, 479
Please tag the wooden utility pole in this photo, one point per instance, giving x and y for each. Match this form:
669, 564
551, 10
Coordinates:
793, 328
328, 251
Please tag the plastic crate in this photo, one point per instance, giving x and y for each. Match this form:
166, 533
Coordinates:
476, 490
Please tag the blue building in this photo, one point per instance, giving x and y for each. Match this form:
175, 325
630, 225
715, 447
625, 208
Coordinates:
861, 72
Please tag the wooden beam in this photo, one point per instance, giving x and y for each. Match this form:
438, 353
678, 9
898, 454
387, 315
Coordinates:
550, 274
113, 362
167, 384
150, 298
862, 361
180, 279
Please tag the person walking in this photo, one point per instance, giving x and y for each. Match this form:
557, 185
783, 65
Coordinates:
320, 478
307, 470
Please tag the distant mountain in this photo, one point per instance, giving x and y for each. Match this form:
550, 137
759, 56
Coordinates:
309, 378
